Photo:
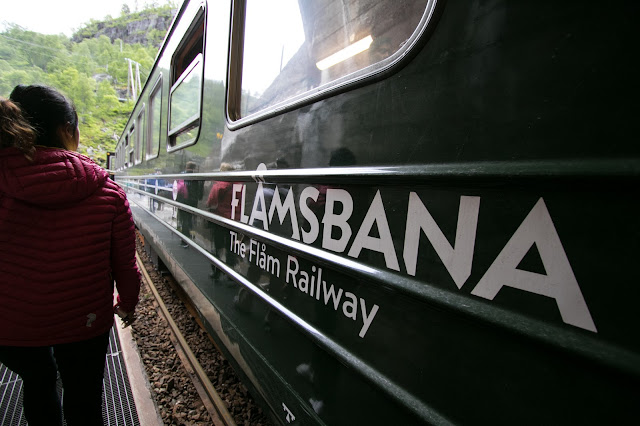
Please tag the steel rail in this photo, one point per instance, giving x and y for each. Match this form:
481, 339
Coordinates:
220, 415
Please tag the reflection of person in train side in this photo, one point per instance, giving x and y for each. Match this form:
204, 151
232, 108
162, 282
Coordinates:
244, 300
189, 193
219, 202
341, 157
153, 186
314, 370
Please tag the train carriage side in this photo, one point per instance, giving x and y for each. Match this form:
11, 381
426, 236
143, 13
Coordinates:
415, 212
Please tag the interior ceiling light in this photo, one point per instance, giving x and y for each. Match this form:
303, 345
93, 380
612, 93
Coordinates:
349, 51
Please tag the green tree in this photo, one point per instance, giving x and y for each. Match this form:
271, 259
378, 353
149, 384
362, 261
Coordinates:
31, 48
11, 78
77, 86
92, 72
107, 104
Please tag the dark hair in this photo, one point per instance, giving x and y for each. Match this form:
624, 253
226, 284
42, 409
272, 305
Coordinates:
342, 157
46, 109
15, 130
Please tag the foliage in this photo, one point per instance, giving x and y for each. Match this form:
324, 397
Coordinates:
93, 73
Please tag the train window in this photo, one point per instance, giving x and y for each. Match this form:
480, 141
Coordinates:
131, 143
140, 139
293, 50
125, 149
155, 114
185, 98
184, 120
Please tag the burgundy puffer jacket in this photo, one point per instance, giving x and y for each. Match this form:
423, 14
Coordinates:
66, 233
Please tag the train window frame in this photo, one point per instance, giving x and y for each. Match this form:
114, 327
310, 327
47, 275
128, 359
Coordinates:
130, 157
139, 129
153, 149
180, 72
194, 120
129, 143
369, 74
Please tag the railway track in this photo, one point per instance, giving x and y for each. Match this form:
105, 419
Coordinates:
220, 416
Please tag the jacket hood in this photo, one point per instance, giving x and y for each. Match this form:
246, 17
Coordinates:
56, 177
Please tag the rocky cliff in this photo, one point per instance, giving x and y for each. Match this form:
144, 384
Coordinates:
147, 27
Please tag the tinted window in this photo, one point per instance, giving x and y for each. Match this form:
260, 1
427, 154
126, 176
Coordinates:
131, 144
185, 97
155, 111
139, 136
291, 47
186, 86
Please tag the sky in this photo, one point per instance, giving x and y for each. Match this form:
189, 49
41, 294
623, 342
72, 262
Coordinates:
61, 16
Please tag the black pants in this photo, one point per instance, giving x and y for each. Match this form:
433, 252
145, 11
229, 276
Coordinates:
81, 367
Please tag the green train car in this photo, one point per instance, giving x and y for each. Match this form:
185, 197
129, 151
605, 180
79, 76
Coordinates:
402, 212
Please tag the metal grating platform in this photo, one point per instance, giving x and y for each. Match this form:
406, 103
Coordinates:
118, 407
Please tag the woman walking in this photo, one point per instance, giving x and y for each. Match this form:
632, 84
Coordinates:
66, 234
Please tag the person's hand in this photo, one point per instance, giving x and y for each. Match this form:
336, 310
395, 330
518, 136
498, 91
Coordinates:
127, 317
